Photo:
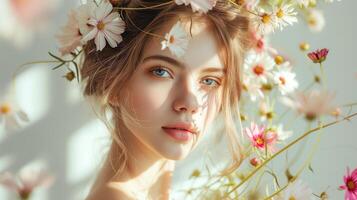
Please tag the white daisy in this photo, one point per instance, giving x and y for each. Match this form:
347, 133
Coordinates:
264, 22
315, 20
286, 80
259, 66
176, 40
297, 191
11, 114
198, 5
107, 26
285, 15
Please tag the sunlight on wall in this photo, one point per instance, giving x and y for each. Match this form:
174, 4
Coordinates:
32, 88
85, 150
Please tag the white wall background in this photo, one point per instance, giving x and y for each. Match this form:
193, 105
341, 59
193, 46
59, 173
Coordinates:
64, 132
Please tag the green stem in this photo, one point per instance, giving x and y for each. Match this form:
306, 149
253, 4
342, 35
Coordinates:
322, 75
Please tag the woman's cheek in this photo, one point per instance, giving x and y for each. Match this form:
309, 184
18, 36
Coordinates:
148, 97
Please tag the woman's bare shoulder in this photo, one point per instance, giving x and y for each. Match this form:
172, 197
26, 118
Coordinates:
109, 193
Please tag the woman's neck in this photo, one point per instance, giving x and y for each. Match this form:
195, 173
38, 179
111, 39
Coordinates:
145, 172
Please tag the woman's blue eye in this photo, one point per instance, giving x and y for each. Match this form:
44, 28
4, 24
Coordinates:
211, 82
160, 72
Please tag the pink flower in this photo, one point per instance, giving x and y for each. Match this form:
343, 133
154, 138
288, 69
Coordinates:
29, 178
312, 104
260, 137
350, 185
318, 56
70, 37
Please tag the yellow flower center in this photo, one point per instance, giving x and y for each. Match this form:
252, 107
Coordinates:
172, 39
304, 46
100, 26
312, 21
266, 18
282, 80
259, 141
279, 60
292, 198
351, 185
280, 13
258, 70
5, 109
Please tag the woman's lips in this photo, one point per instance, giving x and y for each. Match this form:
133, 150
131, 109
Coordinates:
179, 134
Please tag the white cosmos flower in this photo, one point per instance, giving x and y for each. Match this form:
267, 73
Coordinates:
253, 88
315, 20
83, 15
297, 191
285, 15
176, 40
259, 66
11, 115
198, 5
286, 81
107, 26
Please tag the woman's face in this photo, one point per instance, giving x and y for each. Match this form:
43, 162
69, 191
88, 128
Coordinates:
166, 93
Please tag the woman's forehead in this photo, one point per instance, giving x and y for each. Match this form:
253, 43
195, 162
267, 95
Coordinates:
202, 50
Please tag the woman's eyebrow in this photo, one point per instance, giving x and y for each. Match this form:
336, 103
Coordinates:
179, 64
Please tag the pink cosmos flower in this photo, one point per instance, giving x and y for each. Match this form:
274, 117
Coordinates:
107, 26
198, 5
350, 185
70, 37
260, 137
318, 56
311, 104
29, 178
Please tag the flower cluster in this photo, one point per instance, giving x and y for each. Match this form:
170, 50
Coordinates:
91, 21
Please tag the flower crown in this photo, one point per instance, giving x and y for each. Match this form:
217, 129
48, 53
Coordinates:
100, 21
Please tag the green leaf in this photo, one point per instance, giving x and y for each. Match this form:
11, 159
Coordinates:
56, 57
58, 66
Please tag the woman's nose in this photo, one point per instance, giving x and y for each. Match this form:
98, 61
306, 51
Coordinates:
187, 98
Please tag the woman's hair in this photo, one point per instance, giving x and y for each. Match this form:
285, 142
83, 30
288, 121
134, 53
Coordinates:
106, 72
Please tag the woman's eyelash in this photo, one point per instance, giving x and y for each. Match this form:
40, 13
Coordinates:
158, 69
217, 83
162, 69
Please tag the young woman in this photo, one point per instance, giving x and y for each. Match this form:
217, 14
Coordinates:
162, 100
